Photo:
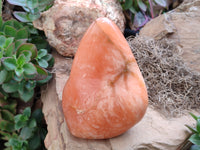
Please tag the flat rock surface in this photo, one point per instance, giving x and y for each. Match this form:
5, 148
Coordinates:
182, 26
154, 132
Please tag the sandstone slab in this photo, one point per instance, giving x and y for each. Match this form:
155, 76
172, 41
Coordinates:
58, 137
182, 26
154, 132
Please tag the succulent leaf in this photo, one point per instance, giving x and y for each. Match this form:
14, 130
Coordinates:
27, 55
19, 43
10, 63
7, 23
20, 121
26, 133
19, 72
17, 25
141, 5
10, 49
3, 75
8, 42
22, 34
10, 87
29, 69
42, 73
127, 4
27, 112
22, 16
17, 2
35, 141
21, 60
2, 41
32, 4
26, 95
195, 139
7, 115
6, 125
30, 85
43, 63
1, 22
32, 123
10, 31
48, 57
42, 53
45, 80
28, 47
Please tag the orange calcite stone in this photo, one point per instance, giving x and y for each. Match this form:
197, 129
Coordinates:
105, 94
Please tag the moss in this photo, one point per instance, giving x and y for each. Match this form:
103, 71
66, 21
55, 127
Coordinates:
172, 87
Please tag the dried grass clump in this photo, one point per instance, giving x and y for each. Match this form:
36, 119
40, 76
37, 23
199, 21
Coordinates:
172, 87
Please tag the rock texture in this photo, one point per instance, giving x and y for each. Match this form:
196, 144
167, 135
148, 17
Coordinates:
58, 137
154, 132
99, 99
182, 26
65, 23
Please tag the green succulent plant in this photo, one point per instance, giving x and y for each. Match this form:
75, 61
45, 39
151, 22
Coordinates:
24, 60
195, 137
43, 58
21, 64
7, 112
27, 132
32, 9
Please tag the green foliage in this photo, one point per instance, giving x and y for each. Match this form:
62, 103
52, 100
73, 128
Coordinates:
43, 58
141, 11
28, 131
24, 60
1, 3
32, 8
195, 137
7, 112
21, 63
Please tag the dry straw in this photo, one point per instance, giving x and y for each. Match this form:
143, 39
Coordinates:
172, 87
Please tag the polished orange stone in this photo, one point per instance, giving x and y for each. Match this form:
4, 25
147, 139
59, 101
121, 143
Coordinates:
105, 94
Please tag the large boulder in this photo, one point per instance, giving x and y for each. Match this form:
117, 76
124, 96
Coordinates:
65, 23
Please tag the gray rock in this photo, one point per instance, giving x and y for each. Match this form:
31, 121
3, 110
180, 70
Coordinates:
65, 23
